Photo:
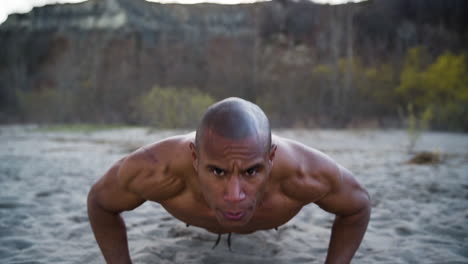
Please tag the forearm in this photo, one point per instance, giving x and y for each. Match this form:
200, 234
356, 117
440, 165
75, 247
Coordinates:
110, 233
346, 236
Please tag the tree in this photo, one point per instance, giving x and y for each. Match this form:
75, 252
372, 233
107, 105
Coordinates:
441, 86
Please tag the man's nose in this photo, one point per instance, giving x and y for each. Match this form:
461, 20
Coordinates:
233, 192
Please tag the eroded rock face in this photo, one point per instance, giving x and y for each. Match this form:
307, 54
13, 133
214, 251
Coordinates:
127, 44
137, 15
109, 51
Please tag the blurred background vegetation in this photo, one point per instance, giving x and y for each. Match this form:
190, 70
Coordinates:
379, 64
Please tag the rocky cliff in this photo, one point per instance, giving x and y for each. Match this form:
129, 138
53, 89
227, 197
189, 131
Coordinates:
108, 51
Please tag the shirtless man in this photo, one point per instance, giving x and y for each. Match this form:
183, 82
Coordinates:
231, 175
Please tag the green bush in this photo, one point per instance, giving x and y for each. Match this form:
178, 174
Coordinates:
441, 86
172, 108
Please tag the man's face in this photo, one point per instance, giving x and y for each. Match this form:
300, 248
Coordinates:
233, 176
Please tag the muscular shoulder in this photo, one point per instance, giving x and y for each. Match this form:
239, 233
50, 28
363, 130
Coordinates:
156, 172
306, 174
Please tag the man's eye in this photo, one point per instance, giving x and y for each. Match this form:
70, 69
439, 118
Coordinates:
251, 172
218, 172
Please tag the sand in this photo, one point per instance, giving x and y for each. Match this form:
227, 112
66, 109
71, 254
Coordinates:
420, 212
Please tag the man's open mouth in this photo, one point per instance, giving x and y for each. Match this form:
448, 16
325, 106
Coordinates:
234, 216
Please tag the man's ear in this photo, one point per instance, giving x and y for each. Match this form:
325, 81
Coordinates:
271, 156
194, 153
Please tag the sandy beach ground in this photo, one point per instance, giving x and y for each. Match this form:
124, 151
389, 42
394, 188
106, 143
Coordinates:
420, 212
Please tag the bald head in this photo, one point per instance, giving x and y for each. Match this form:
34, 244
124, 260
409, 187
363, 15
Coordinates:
236, 119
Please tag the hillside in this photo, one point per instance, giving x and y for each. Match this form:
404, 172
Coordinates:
291, 57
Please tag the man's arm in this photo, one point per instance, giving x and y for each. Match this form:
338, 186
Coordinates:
106, 200
320, 180
143, 175
350, 202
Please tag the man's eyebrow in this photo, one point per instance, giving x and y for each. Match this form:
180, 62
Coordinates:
255, 166
211, 166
